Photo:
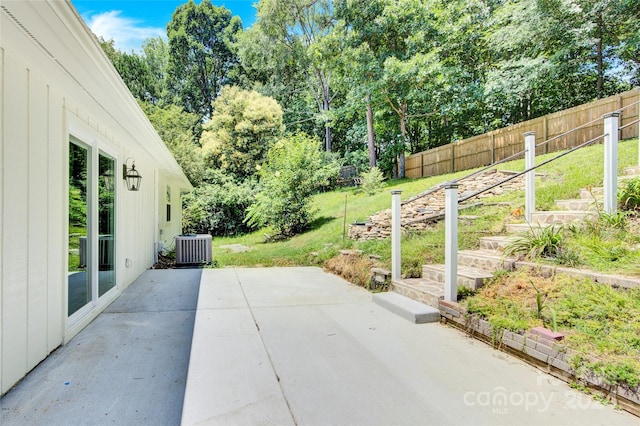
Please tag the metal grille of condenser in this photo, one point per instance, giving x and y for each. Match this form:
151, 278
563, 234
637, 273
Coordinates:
192, 249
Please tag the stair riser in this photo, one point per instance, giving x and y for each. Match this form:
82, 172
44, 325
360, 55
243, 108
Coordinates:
577, 205
595, 192
486, 264
438, 276
415, 294
558, 218
496, 245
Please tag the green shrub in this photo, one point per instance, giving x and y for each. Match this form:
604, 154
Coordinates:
218, 207
538, 242
372, 181
295, 169
629, 195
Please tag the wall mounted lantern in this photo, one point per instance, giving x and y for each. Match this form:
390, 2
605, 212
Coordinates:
131, 175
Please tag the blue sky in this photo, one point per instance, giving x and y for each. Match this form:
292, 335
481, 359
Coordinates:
130, 22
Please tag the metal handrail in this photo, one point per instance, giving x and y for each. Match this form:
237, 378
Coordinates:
569, 131
627, 106
575, 148
629, 124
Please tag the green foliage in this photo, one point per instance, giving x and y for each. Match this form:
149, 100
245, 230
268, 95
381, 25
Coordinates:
201, 54
243, 127
217, 207
464, 292
294, 170
179, 130
629, 195
538, 242
372, 181
77, 206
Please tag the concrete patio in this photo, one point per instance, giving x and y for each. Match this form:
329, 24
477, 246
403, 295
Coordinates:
282, 346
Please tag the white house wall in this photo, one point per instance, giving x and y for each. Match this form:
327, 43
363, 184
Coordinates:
56, 83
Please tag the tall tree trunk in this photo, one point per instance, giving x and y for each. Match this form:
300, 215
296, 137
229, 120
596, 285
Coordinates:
326, 103
371, 137
403, 135
600, 59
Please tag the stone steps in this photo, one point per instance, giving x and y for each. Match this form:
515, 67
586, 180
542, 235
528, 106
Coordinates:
497, 242
468, 276
487, 260
477, 266
578, 204
593, 193
559, 217
424, 291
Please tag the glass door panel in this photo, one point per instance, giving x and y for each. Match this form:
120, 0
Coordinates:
106, 224
79, 283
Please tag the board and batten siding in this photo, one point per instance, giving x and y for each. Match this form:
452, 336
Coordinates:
33, 222
57, 84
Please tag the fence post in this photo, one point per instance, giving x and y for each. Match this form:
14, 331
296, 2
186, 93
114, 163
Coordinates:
530, 177
611, 162
451, 242
396, 234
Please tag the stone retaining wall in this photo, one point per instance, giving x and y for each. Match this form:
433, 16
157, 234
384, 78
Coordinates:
420, 211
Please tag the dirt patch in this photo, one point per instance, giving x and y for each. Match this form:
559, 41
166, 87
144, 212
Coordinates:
235, 248
353, 267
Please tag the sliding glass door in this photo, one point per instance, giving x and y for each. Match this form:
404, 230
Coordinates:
106, 224
79, 282
91, 239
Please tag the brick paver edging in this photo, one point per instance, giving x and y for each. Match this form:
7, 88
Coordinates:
541, 349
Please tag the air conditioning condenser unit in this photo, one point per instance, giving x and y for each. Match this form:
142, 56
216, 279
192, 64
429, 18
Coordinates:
193, 249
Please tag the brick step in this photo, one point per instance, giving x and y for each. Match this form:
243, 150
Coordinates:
487, 260
496, 243
407, 308
578, 204
468, 276
559, 216
421, 290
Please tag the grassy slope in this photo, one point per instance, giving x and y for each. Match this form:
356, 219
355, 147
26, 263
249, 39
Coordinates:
564, 178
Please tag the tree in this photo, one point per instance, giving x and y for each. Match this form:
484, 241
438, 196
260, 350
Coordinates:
243, 127
180, 131
299, 25
133, 69
201, 55
156, 55
294, 171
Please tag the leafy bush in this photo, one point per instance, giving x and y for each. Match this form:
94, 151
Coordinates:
372, 181
629, 195
294, 170
538, 242
218, 207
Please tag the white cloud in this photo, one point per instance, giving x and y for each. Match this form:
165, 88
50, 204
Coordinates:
128, 34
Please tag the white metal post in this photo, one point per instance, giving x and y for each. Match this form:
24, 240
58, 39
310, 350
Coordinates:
451, 242
611, 162
396, 234
530, 177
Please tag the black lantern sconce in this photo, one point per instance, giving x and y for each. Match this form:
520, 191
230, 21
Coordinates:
131, 175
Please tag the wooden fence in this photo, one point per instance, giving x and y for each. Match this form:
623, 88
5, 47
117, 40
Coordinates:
490, 147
